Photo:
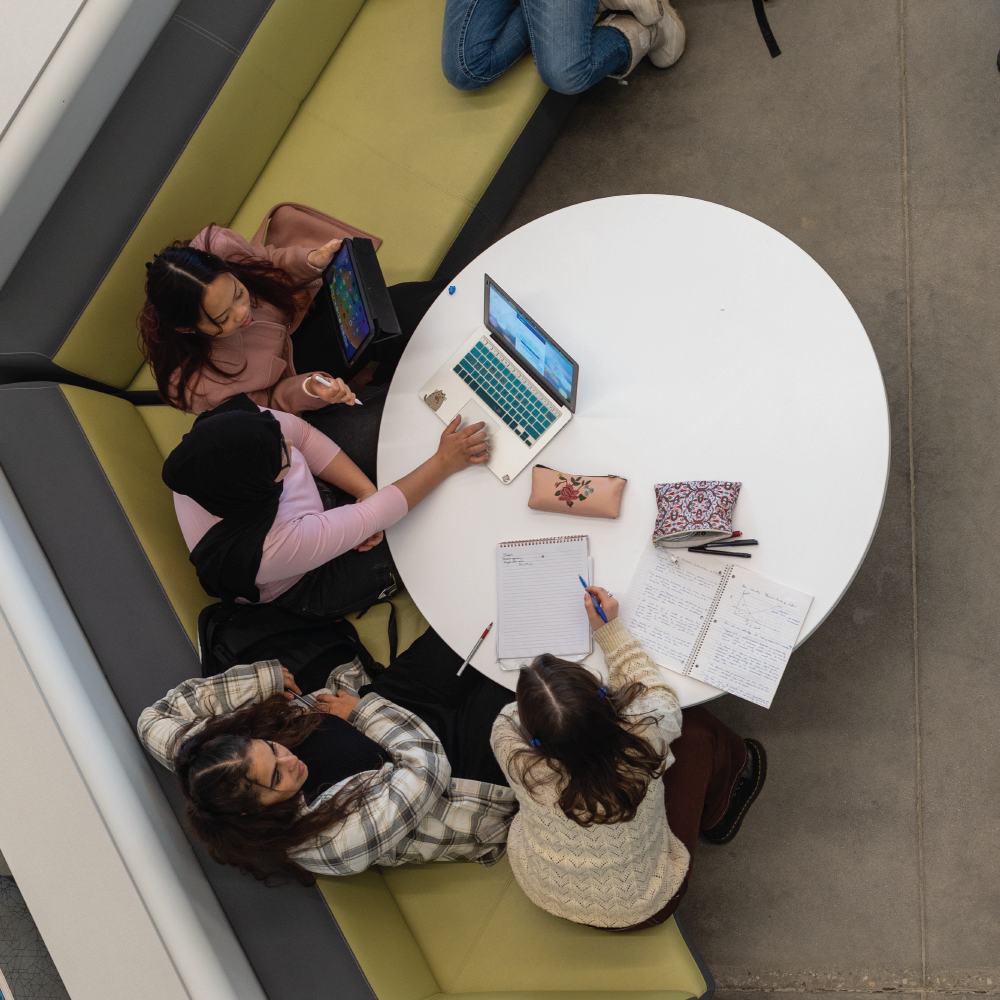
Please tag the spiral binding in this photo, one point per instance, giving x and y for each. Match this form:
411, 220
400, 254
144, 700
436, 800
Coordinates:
543, 541
709, 618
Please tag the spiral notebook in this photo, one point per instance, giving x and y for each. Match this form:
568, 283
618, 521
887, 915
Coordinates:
539, 598
727, 626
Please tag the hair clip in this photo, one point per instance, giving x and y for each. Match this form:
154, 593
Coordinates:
602, 691
535, 743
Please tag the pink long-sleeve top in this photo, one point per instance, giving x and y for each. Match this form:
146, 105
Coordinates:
259, 357
304, 535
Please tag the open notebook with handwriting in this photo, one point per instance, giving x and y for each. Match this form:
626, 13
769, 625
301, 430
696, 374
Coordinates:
729, 627
539, 598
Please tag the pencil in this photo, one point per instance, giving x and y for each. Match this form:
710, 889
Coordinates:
474, 648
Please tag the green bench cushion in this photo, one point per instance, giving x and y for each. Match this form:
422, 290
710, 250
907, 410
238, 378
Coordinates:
386, 143
132, 461
477, 933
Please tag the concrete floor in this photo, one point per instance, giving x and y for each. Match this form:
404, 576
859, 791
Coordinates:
869, 862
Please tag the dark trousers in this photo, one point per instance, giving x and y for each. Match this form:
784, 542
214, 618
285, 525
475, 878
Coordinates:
697, 787
460, 711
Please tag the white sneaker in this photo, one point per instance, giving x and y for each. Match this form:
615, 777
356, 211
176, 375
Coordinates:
668, 45
662, 42
646, 12
639, 38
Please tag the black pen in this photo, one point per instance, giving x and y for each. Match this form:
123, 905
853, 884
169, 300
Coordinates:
728, 542
716, 552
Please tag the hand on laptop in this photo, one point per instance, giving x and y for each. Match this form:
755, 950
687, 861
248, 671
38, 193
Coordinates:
321, 257
335, 392
459, 448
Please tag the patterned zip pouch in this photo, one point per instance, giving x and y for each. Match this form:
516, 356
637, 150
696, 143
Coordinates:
693, 513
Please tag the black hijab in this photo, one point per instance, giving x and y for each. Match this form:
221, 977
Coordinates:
227, 463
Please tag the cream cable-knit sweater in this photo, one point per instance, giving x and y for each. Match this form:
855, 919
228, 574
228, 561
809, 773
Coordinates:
605, 875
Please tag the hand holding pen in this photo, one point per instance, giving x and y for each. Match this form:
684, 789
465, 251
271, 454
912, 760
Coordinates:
336, 391
601, 606
292, 690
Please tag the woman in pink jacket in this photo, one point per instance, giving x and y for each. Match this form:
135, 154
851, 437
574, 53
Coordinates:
225, 317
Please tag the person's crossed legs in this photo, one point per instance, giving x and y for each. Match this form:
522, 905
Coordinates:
460, 711
484, 38
707, 789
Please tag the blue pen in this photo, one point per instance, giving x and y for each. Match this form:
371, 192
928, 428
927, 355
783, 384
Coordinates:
597, 607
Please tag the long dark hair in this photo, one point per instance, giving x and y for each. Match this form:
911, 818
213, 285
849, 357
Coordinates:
223, 810
176, 279
577, 727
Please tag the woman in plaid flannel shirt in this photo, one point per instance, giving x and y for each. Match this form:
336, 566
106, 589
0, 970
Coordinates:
230, 739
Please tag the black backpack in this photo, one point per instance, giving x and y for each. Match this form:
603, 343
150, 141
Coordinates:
230, 633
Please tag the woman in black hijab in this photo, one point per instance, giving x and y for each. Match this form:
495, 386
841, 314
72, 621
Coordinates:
234, 467
254, 469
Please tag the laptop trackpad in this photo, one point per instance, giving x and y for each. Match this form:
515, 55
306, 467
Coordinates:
473, 413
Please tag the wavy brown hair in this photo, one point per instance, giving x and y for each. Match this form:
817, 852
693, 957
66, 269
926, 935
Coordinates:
176, 279
223, 809
587, 738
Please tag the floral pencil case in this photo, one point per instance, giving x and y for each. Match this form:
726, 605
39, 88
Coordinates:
589, 496
693, 513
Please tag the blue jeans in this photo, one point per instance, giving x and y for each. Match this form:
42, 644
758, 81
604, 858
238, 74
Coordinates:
484, 38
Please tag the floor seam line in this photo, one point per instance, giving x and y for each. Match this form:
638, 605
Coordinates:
913, 517
923, 991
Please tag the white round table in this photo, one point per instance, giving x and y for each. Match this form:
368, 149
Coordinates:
710, 347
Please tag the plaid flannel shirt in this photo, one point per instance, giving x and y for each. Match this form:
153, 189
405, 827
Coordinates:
414, 812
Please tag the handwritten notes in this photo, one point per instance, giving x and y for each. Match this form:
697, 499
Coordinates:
730, 628
539, 597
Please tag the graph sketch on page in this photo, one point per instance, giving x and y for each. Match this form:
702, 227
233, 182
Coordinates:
729, 627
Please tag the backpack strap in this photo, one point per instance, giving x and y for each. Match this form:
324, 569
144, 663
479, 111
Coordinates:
765, 29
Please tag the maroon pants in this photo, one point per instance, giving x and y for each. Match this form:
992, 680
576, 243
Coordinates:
697, 788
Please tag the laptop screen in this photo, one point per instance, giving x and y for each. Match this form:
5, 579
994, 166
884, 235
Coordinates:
534, 348
345, 293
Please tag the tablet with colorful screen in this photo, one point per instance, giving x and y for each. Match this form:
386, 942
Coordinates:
347, 298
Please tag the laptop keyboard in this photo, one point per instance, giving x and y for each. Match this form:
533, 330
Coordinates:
489, 375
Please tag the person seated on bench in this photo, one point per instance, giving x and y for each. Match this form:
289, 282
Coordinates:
484, 38
218, 320
272, 788
593, 764
222, 318
251, 513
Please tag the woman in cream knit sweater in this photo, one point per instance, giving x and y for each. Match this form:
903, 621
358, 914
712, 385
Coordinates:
612, 795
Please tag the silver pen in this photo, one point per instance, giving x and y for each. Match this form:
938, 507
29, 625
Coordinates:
298, 697
475, 649
323, 381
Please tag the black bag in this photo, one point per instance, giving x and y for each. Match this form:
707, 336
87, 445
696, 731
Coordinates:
244, 633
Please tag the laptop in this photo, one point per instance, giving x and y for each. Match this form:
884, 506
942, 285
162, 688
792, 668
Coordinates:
358, 301
513, 376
